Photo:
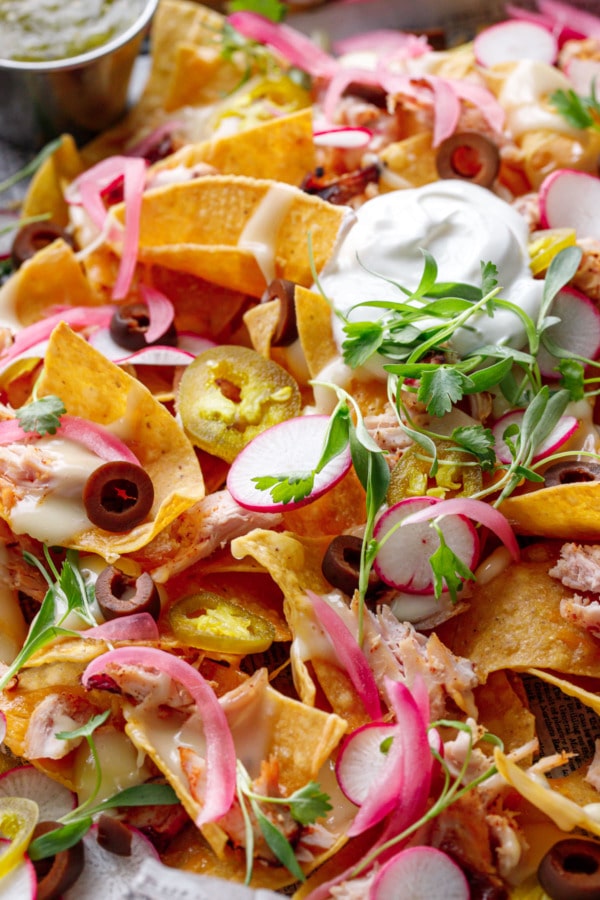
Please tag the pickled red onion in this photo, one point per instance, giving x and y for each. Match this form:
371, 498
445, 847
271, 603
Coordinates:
294, 46
135, 181
93, 436
160, 312
349, 653
220, 750
476, 510
76, 317
383, 40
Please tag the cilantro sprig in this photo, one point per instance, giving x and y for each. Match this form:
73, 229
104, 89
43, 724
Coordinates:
305, 805
67, 594
578, 110
41, 416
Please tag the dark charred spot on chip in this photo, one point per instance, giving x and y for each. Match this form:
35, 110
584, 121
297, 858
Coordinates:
34, 237
286, 331
103, 682
576, 472
342, 190
341, 565
469, 156
119, 594
571, 870
129, 324
118, 496
56, 874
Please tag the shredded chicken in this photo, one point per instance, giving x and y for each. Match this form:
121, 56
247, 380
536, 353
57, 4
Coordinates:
587, 277
54, 714
579, 567
509, 842
461, 750
388, 434
209, 524
582, 611
446, 675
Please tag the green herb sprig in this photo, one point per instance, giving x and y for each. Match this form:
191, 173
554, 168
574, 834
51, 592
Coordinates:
578, 110
41, 416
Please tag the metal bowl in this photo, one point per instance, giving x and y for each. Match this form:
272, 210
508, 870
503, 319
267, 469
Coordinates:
81, 95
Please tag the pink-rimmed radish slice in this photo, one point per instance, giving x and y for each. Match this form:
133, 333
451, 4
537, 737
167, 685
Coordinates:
343, 138
21, 882
53, 799
287, 449
362, 759
563, 32
418, 873
403, 560
562, 431
514, 40
571, 199
578, 330
193, 342
583, 74
105, 874
584, 23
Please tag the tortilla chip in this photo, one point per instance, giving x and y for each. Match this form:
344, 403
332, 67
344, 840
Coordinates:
261, 322
570, 511
53, 277
200, 76
335, 512
45, 194
238, 232
94, 388
503, 710
313, 315
410, 163
281, 149
514, 622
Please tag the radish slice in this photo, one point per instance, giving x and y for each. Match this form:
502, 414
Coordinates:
105, 874
578, 330
403, 561
514, 40
585, 23
53, 799
343, 138
21, 882
362, 759
193, 342
157, 355
571, 199
563, 32
421, 872
285, 449
564, 429
136, 627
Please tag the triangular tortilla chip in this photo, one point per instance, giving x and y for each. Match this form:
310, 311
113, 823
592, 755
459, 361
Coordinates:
570, 511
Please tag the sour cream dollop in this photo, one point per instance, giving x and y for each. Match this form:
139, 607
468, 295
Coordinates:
461, 225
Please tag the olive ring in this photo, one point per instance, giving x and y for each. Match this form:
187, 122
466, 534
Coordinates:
570, 870
118, 594
469, 156
56, 874
341, 565
286, 330
118, 496
33, 237
571, 473
129, 324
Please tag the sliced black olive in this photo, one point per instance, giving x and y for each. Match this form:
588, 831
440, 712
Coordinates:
118, 496
286, 331
33, 237
119, 594
114, 836
129, 325
56, 874
571, 870
571, 473
341, 565
469, 156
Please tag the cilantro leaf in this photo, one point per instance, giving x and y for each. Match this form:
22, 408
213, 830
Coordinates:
42, 416
286, 488
362, 341
448, 569
279, 844
575, 109
309, 803
489, 280
477, 440
440, 388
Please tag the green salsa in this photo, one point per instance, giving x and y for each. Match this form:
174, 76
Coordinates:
47, 30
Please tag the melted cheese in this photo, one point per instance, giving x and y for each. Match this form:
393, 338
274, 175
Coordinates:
260, 232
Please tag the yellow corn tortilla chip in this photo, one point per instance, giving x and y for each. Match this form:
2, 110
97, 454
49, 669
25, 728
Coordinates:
238, 232
200, 76
281, 149
45, 194
261, 322
94, 388
410, 163
313, 315
53, 277
514, 622
503, 711
570, 511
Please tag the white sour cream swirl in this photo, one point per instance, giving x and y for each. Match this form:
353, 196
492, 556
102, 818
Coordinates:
461, 225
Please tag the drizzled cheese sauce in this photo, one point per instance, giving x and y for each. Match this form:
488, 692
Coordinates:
461, 225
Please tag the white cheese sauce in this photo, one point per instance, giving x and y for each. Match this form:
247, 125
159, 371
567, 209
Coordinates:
461, 225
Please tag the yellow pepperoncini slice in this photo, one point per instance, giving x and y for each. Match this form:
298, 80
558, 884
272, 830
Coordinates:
18, 818
544, 245
457, 474
210, 622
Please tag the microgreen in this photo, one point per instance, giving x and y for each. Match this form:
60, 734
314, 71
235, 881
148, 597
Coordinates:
578, 110
305, 805
66, 594
31, 167
448, 569
41, 416
19, 223
270, 9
